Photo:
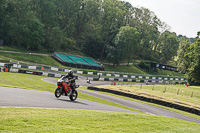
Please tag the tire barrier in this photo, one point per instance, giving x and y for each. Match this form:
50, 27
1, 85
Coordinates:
116, 76
30, 72
151, 100
137, 80
39, 73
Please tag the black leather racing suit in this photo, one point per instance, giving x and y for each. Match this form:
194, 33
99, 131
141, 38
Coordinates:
71, 79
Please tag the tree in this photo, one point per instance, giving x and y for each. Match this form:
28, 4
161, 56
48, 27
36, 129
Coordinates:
93, 43
193, 70
57, 39
90, 39
45, 11
2, 17
145, 66
125, 45
148, 25
21, 27
33, 34
70, 16
189, 59
168, 46
113, 17
183, 60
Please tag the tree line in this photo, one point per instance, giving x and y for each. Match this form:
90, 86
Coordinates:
110, 29
189, 59
113, 30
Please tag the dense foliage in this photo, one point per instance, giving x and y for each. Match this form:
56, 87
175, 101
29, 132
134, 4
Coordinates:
189, 59
144, 66
124, 46
111, 29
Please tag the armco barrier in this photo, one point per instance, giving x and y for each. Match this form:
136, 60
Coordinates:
142, 98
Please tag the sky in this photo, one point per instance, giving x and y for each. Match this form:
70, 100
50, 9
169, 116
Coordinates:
183, 16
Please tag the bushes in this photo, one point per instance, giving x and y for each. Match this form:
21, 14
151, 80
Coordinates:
145, 66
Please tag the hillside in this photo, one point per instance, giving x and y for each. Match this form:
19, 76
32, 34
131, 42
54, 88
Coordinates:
106, 29
30, 58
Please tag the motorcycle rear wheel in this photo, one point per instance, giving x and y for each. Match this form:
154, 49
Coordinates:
73, 96
58, 92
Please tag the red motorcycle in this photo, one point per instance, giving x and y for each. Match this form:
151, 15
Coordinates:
64, 88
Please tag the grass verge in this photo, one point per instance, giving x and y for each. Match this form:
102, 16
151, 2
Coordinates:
133, 69
163, 92
160, 106
47, 60
69, 120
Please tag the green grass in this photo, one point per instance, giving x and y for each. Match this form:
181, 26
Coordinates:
133, 69
153, 104
12, 49
126, 69
166, 72
25, 81
157, 92
82, 121
21, 49
47, 60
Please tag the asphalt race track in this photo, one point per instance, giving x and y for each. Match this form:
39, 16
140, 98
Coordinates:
15, 97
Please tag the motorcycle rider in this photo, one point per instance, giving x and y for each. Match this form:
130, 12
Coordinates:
70, 76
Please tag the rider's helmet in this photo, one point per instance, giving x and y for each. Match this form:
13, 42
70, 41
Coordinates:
70, 73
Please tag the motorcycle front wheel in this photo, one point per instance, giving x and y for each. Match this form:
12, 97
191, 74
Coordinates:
58, 92
73, 96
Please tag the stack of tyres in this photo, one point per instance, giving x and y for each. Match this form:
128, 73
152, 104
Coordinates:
7, 67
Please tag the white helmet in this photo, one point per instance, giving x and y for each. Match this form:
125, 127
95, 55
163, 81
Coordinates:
70, 73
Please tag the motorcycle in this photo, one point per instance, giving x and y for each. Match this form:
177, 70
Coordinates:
64, 88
